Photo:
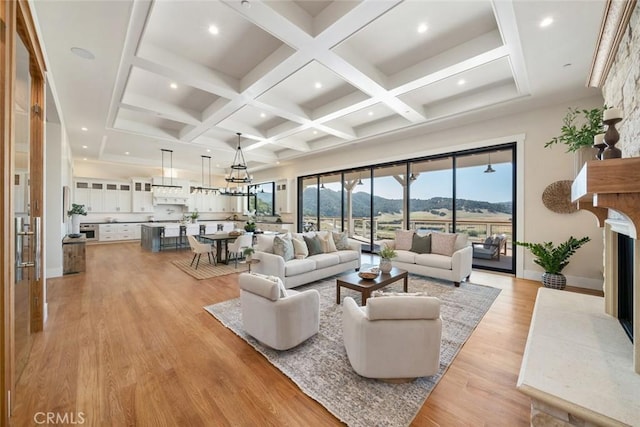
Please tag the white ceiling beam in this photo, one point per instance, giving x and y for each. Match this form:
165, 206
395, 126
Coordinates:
506, 19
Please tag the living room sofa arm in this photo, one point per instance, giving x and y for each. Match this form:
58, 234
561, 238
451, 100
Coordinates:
270, 264
356, 245
461, 261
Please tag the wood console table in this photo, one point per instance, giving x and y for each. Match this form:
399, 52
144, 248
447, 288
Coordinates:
74, 254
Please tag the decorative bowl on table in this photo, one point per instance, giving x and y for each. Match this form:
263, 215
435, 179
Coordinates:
370, 274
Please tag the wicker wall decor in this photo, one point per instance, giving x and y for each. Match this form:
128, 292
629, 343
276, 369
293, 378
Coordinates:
557, 197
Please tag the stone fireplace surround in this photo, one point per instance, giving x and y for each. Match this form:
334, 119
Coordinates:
579, 366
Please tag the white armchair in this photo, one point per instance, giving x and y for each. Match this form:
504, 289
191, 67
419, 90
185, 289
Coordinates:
238, 246
198, 248
395, 337
281, 322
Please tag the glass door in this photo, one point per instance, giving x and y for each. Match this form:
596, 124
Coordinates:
485, 208
389, 194
24, 243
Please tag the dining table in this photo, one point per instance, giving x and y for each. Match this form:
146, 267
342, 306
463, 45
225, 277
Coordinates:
220, 239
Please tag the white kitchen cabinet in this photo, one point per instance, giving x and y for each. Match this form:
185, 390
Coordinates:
90, 194
117, 197
142, 196
114, 232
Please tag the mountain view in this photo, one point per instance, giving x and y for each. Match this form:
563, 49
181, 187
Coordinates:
330, 205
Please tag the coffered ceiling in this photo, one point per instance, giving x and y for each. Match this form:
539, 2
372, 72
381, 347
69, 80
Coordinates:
299, 77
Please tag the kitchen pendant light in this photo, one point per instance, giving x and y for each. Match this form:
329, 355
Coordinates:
164, 188
489, 168
202, 189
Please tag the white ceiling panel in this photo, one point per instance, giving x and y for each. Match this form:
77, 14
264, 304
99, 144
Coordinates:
278, 70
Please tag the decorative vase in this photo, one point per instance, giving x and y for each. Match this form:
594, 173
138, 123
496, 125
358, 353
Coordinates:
583, 155
385, 265
75, 224
554, 281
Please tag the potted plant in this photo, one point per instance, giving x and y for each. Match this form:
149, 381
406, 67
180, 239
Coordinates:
386, 255
575, 137
75, 212
248, 253
553, 259
194, 216
250, 226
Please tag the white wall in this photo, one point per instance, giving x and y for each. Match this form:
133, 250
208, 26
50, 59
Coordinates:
57, 175
538, 167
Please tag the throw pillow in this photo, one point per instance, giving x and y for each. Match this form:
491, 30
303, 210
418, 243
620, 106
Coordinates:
275, 279
300, 249
282, 246
328, 244
443, 243
421, 244
313, 244
487, 242
341, 240
404, 239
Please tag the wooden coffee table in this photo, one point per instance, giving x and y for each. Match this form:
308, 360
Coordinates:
365, 286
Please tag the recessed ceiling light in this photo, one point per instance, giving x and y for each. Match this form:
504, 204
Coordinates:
214, 30
173, 86
208, 151
84, 158
461, 82
82, 53
84, 146
84, 129
278, 162
126, 153
546, 22
315, 132
217, 165
263, 115
422, 28
318, 85
370, 113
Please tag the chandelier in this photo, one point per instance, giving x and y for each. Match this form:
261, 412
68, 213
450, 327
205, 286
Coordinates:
202, 189
238, 174
164, 188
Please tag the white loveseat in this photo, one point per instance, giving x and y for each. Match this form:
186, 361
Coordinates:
455, 267
298, 271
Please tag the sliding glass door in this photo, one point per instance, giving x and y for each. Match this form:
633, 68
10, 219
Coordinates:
484, 206
469, 192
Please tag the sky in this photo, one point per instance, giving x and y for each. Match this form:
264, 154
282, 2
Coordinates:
472, 184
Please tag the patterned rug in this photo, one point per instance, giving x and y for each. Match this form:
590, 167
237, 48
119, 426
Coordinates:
321, 369
206, 270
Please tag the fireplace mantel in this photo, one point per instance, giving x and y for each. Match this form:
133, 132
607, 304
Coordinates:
613, 184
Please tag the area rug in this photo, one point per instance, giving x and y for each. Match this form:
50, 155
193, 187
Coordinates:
321, 369
206, 270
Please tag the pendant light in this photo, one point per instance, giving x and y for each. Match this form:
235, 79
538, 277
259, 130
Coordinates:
489, 168
202, 189
360, 179
238, 174
164, 188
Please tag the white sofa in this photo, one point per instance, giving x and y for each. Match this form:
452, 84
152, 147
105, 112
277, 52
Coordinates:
296, 272
393, 337
455, 268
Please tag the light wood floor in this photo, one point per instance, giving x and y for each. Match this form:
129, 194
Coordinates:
128, 343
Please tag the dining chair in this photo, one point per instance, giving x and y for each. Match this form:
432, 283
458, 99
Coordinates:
198, 249
238, 246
